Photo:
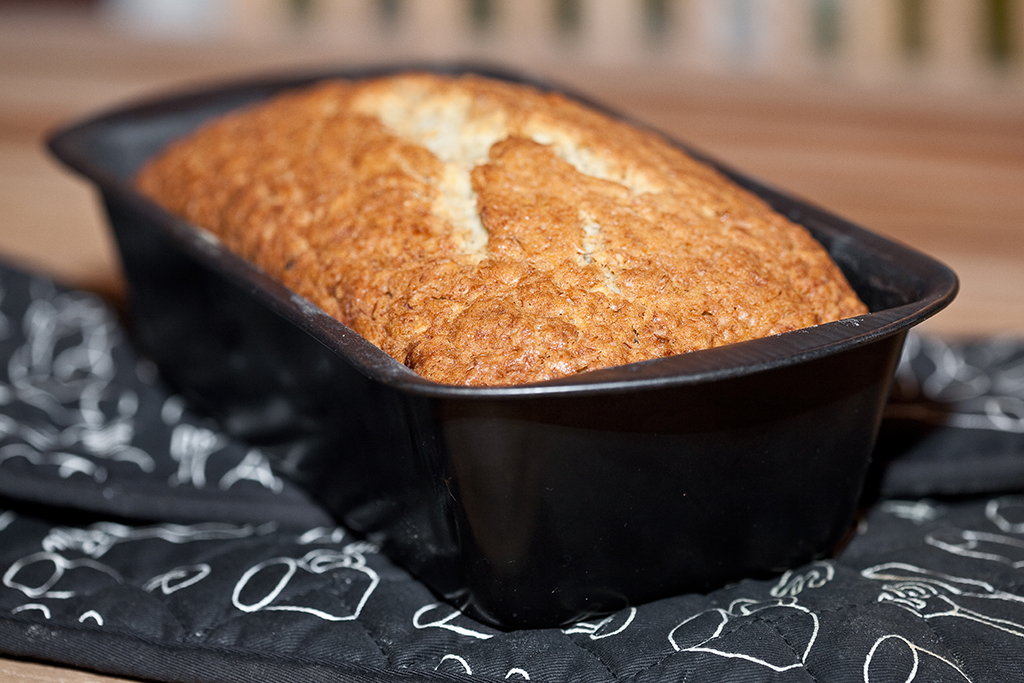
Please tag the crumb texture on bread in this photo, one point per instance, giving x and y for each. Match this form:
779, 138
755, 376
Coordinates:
488, 233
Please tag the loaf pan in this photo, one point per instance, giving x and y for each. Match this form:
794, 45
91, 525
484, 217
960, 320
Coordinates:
534, 505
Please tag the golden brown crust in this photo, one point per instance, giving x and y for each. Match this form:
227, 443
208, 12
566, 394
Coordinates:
487, 233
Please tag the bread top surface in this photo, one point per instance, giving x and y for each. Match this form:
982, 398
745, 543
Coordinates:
488, 233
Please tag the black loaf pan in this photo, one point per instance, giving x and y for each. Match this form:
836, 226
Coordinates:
533, 505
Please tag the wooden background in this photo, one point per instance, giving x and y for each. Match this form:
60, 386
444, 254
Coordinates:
938, 169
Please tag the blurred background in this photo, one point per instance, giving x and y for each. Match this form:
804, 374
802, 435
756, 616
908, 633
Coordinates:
906, 116
948, 44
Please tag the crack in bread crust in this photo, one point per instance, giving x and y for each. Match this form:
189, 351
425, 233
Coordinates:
456, 134
461, 135
488, 233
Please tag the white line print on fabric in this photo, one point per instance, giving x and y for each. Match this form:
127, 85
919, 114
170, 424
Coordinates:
97, 539
604, 628
455, 658
191, 447
980, 545
793, 582
93, 615
930, 595
33, 607
996, 511
65, 369
255, 466
890, 666
916, 511
444, 622
973, 396
67, 464
706, 631
315, 562
180, 577
322, 534
38, 584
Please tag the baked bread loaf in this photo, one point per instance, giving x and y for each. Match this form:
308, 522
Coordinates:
489, 233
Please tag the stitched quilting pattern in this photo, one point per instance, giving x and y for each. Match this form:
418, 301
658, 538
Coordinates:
137, 539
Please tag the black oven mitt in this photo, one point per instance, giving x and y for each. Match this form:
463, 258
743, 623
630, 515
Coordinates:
137, 539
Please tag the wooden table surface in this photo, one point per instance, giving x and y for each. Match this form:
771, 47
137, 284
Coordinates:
943, 172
